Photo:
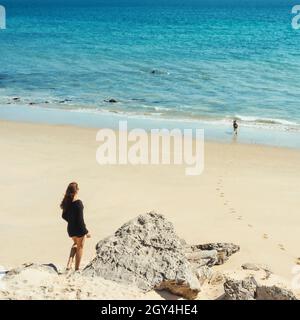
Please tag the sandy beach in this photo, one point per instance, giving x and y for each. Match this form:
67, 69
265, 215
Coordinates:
247, 194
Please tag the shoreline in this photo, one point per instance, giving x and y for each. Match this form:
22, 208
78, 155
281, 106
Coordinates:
221, 132
88, 128
246, 195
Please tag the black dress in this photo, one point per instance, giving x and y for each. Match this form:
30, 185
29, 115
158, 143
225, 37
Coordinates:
74, 216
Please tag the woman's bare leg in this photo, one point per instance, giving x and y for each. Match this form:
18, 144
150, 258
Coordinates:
79, 251
72, 255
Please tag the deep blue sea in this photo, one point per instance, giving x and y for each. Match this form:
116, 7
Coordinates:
196, 62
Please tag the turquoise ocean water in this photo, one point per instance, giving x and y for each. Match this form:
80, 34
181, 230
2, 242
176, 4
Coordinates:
197, 64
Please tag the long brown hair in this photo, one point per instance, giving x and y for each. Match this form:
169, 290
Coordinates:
69, 195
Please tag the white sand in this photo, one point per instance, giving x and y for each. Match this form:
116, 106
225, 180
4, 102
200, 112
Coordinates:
248, 194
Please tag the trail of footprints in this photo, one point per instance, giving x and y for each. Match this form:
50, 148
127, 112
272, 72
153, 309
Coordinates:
233, 211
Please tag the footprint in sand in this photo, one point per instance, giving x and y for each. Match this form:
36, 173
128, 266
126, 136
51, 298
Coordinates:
240, 218
222, 195
297, 261
250, 225
265, 236
281, 247
232, 210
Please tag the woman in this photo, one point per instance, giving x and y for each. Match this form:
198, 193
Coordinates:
73, 213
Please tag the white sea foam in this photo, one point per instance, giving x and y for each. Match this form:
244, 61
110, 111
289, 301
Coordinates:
266, 120
164, 113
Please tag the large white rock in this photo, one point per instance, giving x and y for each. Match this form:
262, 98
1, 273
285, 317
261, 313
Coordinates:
147, 253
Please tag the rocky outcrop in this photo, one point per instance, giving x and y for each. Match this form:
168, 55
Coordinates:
42, 282
199, 258
240, 289
249, 289
46, 268
274, 293
30, 281
225, 250
146, 252
210, 254
257, 267
204, 274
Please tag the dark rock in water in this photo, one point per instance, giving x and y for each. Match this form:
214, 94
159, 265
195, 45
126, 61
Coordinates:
46, 102
146, 252
159, 72
16, 99
111, 100
32, 103
64, 101
155, 71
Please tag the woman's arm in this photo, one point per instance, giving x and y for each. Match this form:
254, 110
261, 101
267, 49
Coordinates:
81, 218
64, 216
